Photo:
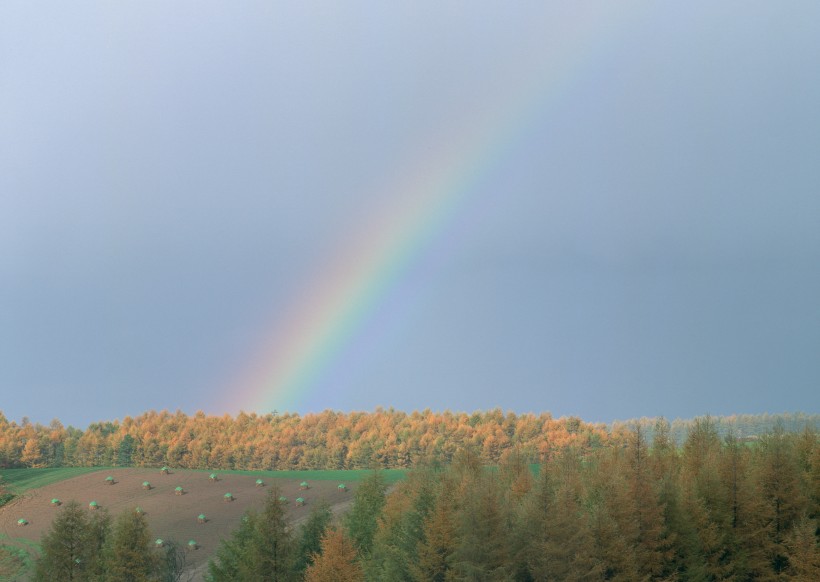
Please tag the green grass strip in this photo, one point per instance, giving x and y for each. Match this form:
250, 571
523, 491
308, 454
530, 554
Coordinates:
21, 480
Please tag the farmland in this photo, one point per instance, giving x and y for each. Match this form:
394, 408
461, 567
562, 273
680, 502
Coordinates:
171, 516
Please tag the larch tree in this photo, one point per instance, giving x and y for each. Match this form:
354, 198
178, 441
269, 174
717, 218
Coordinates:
270, 554
130, 555
68, 549
362, 519
337, 561
231, 552
438, 545
311, 533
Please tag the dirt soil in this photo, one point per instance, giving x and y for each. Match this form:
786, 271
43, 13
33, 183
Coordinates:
170, 516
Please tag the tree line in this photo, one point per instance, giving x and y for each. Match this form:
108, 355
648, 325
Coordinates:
713, 509
327, 440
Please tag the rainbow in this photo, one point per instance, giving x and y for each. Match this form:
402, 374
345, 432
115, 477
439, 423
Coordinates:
434, 187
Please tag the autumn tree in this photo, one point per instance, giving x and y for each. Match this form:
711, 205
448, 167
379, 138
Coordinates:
311, 534
438, 545
336, 562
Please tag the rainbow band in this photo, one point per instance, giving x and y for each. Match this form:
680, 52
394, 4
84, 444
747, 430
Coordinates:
435, 188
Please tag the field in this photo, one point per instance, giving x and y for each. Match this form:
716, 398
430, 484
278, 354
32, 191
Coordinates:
171, 516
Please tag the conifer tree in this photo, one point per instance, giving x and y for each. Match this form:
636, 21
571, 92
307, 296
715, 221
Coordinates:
337, 560
271, 552
130, 556
438, 545
482, 553
803, 552
68, 549
781, 493
231, 552
362, 519
562, 543
311, 533
400, 528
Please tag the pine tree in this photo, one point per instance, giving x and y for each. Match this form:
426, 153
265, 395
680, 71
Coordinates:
68, 549
336, 562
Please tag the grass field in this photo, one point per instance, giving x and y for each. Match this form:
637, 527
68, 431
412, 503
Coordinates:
21, 480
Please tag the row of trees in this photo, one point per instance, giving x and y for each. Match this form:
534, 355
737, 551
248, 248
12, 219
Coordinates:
328, 440
86, 546
716, 509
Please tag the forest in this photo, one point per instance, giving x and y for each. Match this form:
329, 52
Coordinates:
715, 508
331, 440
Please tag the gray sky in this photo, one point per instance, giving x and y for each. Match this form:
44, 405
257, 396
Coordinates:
643, 240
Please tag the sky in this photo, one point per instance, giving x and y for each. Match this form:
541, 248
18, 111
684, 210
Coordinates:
590, 209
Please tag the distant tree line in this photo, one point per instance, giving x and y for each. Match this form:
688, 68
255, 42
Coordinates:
327, 440
745, 427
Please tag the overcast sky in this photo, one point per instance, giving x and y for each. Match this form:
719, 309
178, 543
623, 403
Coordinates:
641, 237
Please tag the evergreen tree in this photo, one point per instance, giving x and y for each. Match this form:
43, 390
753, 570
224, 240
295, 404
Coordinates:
311, 533
400, 529
130, 556
482, 553
561, 540
362, 519
68, 549
270, 552
231, 552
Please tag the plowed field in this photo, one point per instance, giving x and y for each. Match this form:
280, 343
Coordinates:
170, 516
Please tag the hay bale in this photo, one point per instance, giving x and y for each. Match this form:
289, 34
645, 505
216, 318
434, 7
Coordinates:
304, 485
146, 485
260, 483
22, 521
56, 502
179, 491
109, 480
342, 487
159, 543
228, 497
213, 477
93, 505
201, 518
192, 545
165, 471
300, 501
